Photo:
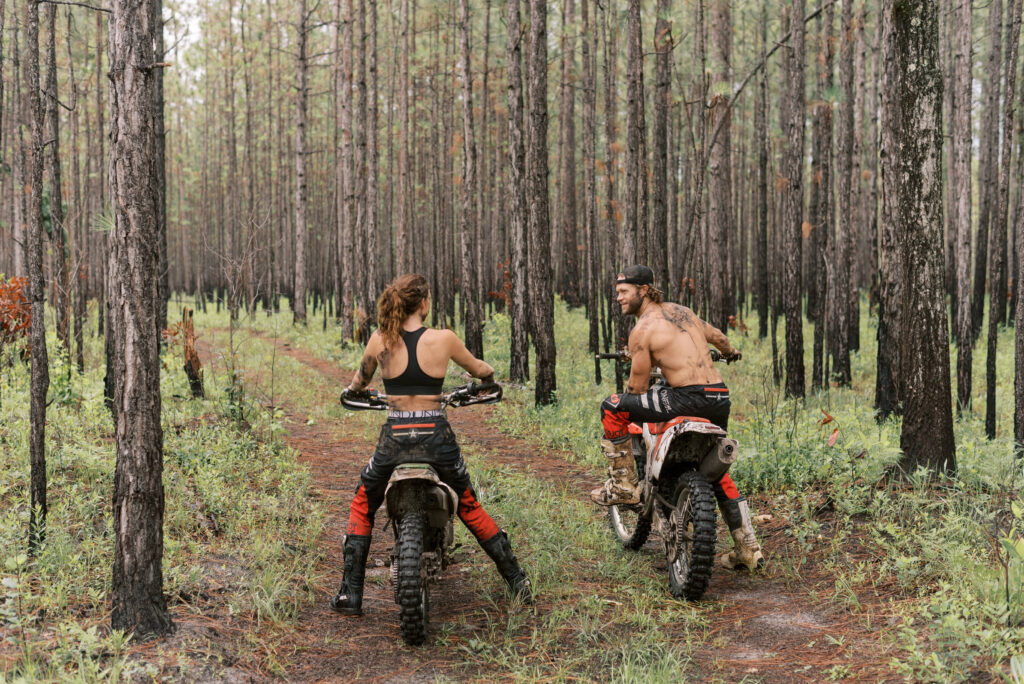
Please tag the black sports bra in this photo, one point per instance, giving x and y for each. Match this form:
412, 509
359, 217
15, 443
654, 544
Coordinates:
413, 380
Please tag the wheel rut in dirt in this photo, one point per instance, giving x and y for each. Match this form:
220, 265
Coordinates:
760, 626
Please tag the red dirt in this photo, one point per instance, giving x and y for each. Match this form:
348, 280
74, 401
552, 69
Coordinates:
760, 626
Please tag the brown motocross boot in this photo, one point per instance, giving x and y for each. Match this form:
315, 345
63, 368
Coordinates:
746, 551
622, 487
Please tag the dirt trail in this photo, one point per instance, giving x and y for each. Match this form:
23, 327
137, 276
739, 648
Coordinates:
760, 627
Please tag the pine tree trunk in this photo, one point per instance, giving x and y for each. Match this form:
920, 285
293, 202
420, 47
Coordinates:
59, 233
632, 246
373, 273
997, 230
761, 133
988, 161
720, 225
403, 250
839, 320
961, 154
822, 218
658, 248
792, 236
159, 170
592, 231
927, 435
541, 294
32, 121
519, 358
138, 603
347, 208
299, 292
570, 276
468, 216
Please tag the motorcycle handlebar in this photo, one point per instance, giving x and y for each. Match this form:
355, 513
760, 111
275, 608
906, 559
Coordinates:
716, 356
471, 393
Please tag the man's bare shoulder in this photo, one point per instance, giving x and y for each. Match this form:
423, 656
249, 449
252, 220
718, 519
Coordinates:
678, 315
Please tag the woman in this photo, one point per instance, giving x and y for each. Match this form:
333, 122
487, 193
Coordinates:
413, 361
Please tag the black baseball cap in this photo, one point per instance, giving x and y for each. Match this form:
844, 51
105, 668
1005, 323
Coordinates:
637, 274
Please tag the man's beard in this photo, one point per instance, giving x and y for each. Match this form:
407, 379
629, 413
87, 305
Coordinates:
633, 306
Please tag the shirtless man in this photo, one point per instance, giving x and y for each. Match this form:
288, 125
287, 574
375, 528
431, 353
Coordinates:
673, 338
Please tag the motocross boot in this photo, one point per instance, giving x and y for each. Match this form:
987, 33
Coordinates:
622, 486
349, 599
746, 551
499, 549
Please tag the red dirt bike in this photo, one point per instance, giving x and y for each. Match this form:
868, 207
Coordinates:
676, 462
421, 509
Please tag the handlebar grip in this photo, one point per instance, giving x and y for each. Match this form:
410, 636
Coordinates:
716, 356
607, 356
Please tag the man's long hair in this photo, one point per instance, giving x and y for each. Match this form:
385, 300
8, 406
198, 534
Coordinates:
654, 294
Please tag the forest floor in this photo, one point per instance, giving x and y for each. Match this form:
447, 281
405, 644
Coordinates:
788, 622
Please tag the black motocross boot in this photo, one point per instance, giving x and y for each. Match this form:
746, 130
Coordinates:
349, 599
499, 549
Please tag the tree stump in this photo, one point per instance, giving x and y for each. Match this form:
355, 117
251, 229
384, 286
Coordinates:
193, 366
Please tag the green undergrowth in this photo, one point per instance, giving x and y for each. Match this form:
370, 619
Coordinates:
239, 525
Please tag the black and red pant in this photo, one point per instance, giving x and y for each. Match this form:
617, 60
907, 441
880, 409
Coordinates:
661, 403
420, 440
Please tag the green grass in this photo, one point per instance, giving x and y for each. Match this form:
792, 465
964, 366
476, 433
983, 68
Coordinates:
239, 527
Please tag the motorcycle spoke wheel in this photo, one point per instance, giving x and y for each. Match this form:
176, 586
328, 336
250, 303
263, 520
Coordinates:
630, 525
691, 554
413, 600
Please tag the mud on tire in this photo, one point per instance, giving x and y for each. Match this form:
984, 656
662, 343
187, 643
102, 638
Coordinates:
690, 573
413, 602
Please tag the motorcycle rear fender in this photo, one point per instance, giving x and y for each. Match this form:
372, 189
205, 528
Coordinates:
441, 501
658, 454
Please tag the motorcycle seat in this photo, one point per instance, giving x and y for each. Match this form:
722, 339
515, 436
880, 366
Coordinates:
658, 428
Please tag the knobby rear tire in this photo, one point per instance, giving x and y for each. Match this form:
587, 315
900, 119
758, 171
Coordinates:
690, 574
413, 601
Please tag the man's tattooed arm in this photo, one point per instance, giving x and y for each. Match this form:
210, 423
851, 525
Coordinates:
640, 366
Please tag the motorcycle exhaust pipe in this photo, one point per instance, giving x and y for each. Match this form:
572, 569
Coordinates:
717, 462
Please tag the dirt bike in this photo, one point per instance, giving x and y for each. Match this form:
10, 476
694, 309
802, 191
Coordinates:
422, 510
676, 463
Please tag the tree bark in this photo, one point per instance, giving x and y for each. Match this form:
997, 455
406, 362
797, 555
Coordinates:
32, 121
541, 295
570, 276
658, 247
988, 162
839, 320
373, 273
519, 368
592, 231
761, 133
403, 256
58, 229
720, 225
927, 435
467, 219
138, 603
299, 292
997, 230
961, 153
793, 204
633, 245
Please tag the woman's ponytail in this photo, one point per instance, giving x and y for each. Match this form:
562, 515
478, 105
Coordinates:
399, 300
